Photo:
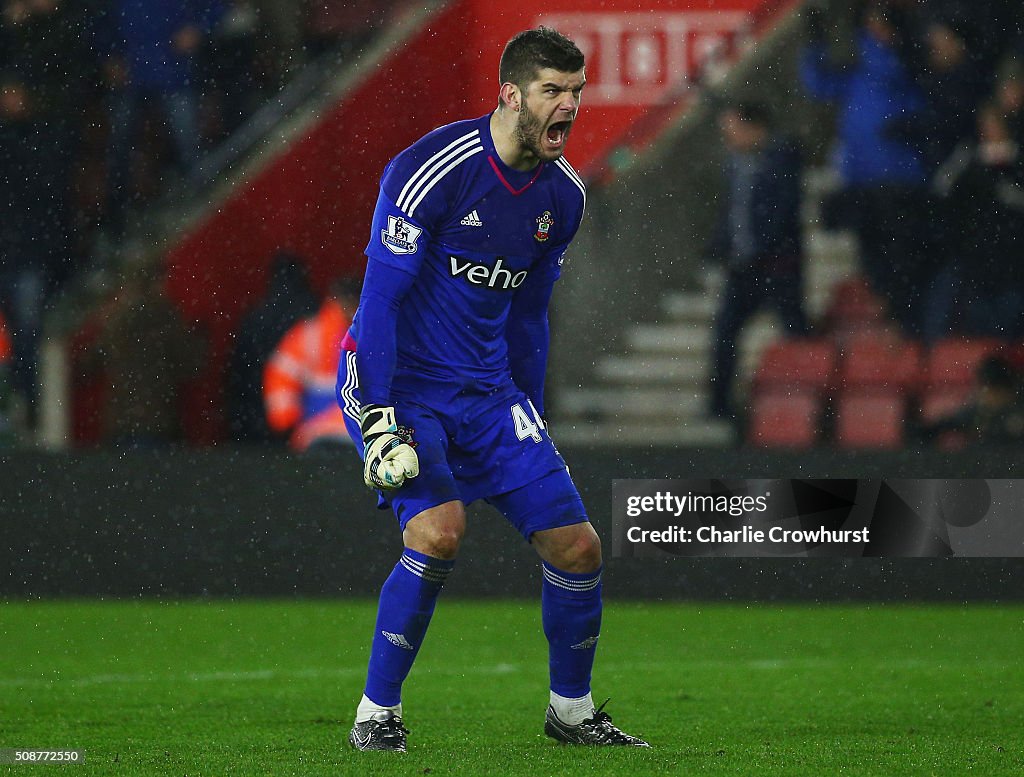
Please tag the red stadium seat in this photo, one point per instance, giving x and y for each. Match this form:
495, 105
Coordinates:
954, 362
870, 420
853, 307
784, 420
942, 401
880, 360
796, 363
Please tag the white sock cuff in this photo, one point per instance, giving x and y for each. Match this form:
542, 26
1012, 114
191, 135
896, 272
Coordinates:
368, 708
572, 711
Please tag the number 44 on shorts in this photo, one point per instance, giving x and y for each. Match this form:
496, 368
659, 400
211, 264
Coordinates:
526, 426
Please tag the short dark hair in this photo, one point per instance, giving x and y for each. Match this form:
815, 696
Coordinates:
532, 50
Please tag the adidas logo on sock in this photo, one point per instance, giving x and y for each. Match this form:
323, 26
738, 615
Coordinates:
586, 644
398, 640
472, 220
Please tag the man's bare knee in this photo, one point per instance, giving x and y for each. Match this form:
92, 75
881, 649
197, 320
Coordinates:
575, 548
438, 531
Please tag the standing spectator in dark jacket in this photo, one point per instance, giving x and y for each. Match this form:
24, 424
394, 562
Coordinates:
146, 353
981, 189
288, 298
757, 238
884, 176
953, 85
152, 48
232, 66
44, 72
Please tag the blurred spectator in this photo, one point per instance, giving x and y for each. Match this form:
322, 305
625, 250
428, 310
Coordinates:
995, 27
299, 380
232, 66
994, 416
883, 177
758, 238
288, 298
151, 49
44, 74
982, 188
1009, 95
953, 85
281, 26
146, 354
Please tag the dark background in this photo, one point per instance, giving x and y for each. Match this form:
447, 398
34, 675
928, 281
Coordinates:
258, 523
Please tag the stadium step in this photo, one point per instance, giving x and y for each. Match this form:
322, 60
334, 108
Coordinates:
655, 369
688, 306
694, 432
688, 339
634, 401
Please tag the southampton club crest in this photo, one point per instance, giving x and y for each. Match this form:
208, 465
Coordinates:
400, 236
544, 224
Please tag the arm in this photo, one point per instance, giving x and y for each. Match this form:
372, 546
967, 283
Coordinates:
384, 288
527, 333
388, 455
395, 255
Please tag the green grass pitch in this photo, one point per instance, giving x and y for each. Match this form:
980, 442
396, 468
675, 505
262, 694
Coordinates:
269, 687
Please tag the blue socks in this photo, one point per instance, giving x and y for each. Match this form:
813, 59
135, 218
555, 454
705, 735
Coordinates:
571, 611
406, 603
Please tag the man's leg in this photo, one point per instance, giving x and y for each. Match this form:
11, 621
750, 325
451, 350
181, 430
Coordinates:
407, 601
571, 614
736, 307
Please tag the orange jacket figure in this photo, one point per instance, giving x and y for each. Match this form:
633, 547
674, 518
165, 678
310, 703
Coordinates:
299, 379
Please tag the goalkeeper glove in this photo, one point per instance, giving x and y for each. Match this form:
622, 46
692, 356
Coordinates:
388, 455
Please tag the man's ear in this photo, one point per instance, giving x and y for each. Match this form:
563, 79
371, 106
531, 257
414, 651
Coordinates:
510, 95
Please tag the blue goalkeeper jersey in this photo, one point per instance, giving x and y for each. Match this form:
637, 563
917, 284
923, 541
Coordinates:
473, 234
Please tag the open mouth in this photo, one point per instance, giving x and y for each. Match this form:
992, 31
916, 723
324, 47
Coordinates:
557, 133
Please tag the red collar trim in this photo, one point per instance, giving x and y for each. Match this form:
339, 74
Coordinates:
497, 172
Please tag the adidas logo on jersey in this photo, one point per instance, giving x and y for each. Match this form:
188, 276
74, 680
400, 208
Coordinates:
472, 220
482, 275
398, 640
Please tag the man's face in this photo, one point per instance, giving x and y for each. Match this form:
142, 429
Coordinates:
549, 106
739, 135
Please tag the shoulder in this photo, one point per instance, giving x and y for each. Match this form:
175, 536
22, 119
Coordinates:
569, 182
431, 158
445, 138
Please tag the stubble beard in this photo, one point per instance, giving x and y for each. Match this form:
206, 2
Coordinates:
528, 134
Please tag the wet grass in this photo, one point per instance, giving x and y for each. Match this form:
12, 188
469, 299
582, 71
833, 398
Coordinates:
269, 688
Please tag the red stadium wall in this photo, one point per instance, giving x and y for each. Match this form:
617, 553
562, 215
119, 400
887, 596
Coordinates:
316, 199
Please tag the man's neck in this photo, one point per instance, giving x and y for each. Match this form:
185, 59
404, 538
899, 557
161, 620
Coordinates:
503, 133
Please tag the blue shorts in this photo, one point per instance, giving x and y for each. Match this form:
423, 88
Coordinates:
473, 444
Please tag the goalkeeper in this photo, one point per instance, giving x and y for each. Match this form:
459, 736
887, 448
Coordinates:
442, 377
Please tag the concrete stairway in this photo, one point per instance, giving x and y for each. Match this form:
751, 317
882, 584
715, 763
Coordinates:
655, 390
